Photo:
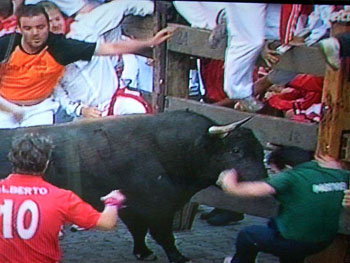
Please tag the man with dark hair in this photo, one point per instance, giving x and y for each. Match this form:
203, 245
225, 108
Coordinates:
36, 60
32, 211
310, 197
286, 157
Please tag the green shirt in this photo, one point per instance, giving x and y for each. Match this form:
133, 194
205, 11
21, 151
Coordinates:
310, 201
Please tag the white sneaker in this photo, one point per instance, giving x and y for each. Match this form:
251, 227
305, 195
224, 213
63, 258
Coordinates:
228, 259
331, 48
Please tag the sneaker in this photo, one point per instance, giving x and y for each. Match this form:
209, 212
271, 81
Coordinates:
219, 32
228, 259
225, 217
206, 216
249, 104
331, 48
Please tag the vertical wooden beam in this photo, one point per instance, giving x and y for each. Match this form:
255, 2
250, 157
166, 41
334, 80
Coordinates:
159, 56
177, 78
334, 128
334, 139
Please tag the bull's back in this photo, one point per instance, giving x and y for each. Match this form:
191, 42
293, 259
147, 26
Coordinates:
116, 151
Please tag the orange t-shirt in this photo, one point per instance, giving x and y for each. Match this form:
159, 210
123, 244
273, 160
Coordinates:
30, 77
25, 77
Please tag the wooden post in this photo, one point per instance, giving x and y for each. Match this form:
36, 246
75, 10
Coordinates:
159, 55
334, 139
178, 68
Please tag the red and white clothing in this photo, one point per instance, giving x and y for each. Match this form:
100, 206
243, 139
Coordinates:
303, 97
32, 214
8, 25
248, 25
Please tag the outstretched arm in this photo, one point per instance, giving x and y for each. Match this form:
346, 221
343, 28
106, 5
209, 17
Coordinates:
108, 219
228, 181
133, 45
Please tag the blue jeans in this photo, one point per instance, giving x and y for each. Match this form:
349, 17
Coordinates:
267, 239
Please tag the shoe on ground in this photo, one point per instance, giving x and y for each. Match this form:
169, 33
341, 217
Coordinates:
225, 217
206, 216
331, 48
219, 32
228, 259
249, 104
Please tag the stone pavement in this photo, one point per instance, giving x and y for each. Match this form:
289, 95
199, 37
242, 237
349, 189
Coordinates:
203, 243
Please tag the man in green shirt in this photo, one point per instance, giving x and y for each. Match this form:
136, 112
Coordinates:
310, 197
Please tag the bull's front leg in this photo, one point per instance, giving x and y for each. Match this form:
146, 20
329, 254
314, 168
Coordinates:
162, 232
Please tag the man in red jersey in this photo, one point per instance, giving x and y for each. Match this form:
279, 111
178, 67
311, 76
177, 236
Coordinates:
32, 210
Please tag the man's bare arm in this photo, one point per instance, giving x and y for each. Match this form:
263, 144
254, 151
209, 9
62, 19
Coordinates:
228, 181
133, 45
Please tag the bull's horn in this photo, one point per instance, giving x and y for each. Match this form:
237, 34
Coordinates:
227, 128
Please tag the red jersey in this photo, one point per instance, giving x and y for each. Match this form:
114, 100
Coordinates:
32, 212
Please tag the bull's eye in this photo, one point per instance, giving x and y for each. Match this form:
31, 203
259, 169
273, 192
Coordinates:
235, 150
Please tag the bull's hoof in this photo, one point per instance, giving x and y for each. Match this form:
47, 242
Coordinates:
180, 259
148, 257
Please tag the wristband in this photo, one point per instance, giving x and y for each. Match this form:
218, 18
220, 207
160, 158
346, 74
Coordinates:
113, 202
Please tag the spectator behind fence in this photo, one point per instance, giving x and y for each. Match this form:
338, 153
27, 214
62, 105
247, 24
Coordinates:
90, 89
33, 210
299, 229
29, 85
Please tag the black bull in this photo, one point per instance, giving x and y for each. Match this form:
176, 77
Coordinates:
159, 162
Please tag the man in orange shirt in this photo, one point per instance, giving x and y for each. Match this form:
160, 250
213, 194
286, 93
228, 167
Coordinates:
36, 60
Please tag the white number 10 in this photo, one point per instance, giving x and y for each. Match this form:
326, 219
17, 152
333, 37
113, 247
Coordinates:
8, 215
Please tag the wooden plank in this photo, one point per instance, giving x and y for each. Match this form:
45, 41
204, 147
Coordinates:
213, 196
194, 42
138, 26
266, 128
303, 59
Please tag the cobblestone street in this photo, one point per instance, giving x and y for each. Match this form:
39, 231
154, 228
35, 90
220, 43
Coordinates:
203, 244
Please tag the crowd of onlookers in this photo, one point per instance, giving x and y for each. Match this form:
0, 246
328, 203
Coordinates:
63, 60
257, 34
87, 86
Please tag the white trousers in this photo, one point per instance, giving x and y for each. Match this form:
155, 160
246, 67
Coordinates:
199, 14
39, 114
246, 33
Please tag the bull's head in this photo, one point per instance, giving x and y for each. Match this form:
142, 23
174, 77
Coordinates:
237, 147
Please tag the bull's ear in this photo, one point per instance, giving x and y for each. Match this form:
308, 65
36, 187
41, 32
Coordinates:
222, 131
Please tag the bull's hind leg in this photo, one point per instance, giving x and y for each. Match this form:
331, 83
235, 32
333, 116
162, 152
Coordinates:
138, 229
162, 232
